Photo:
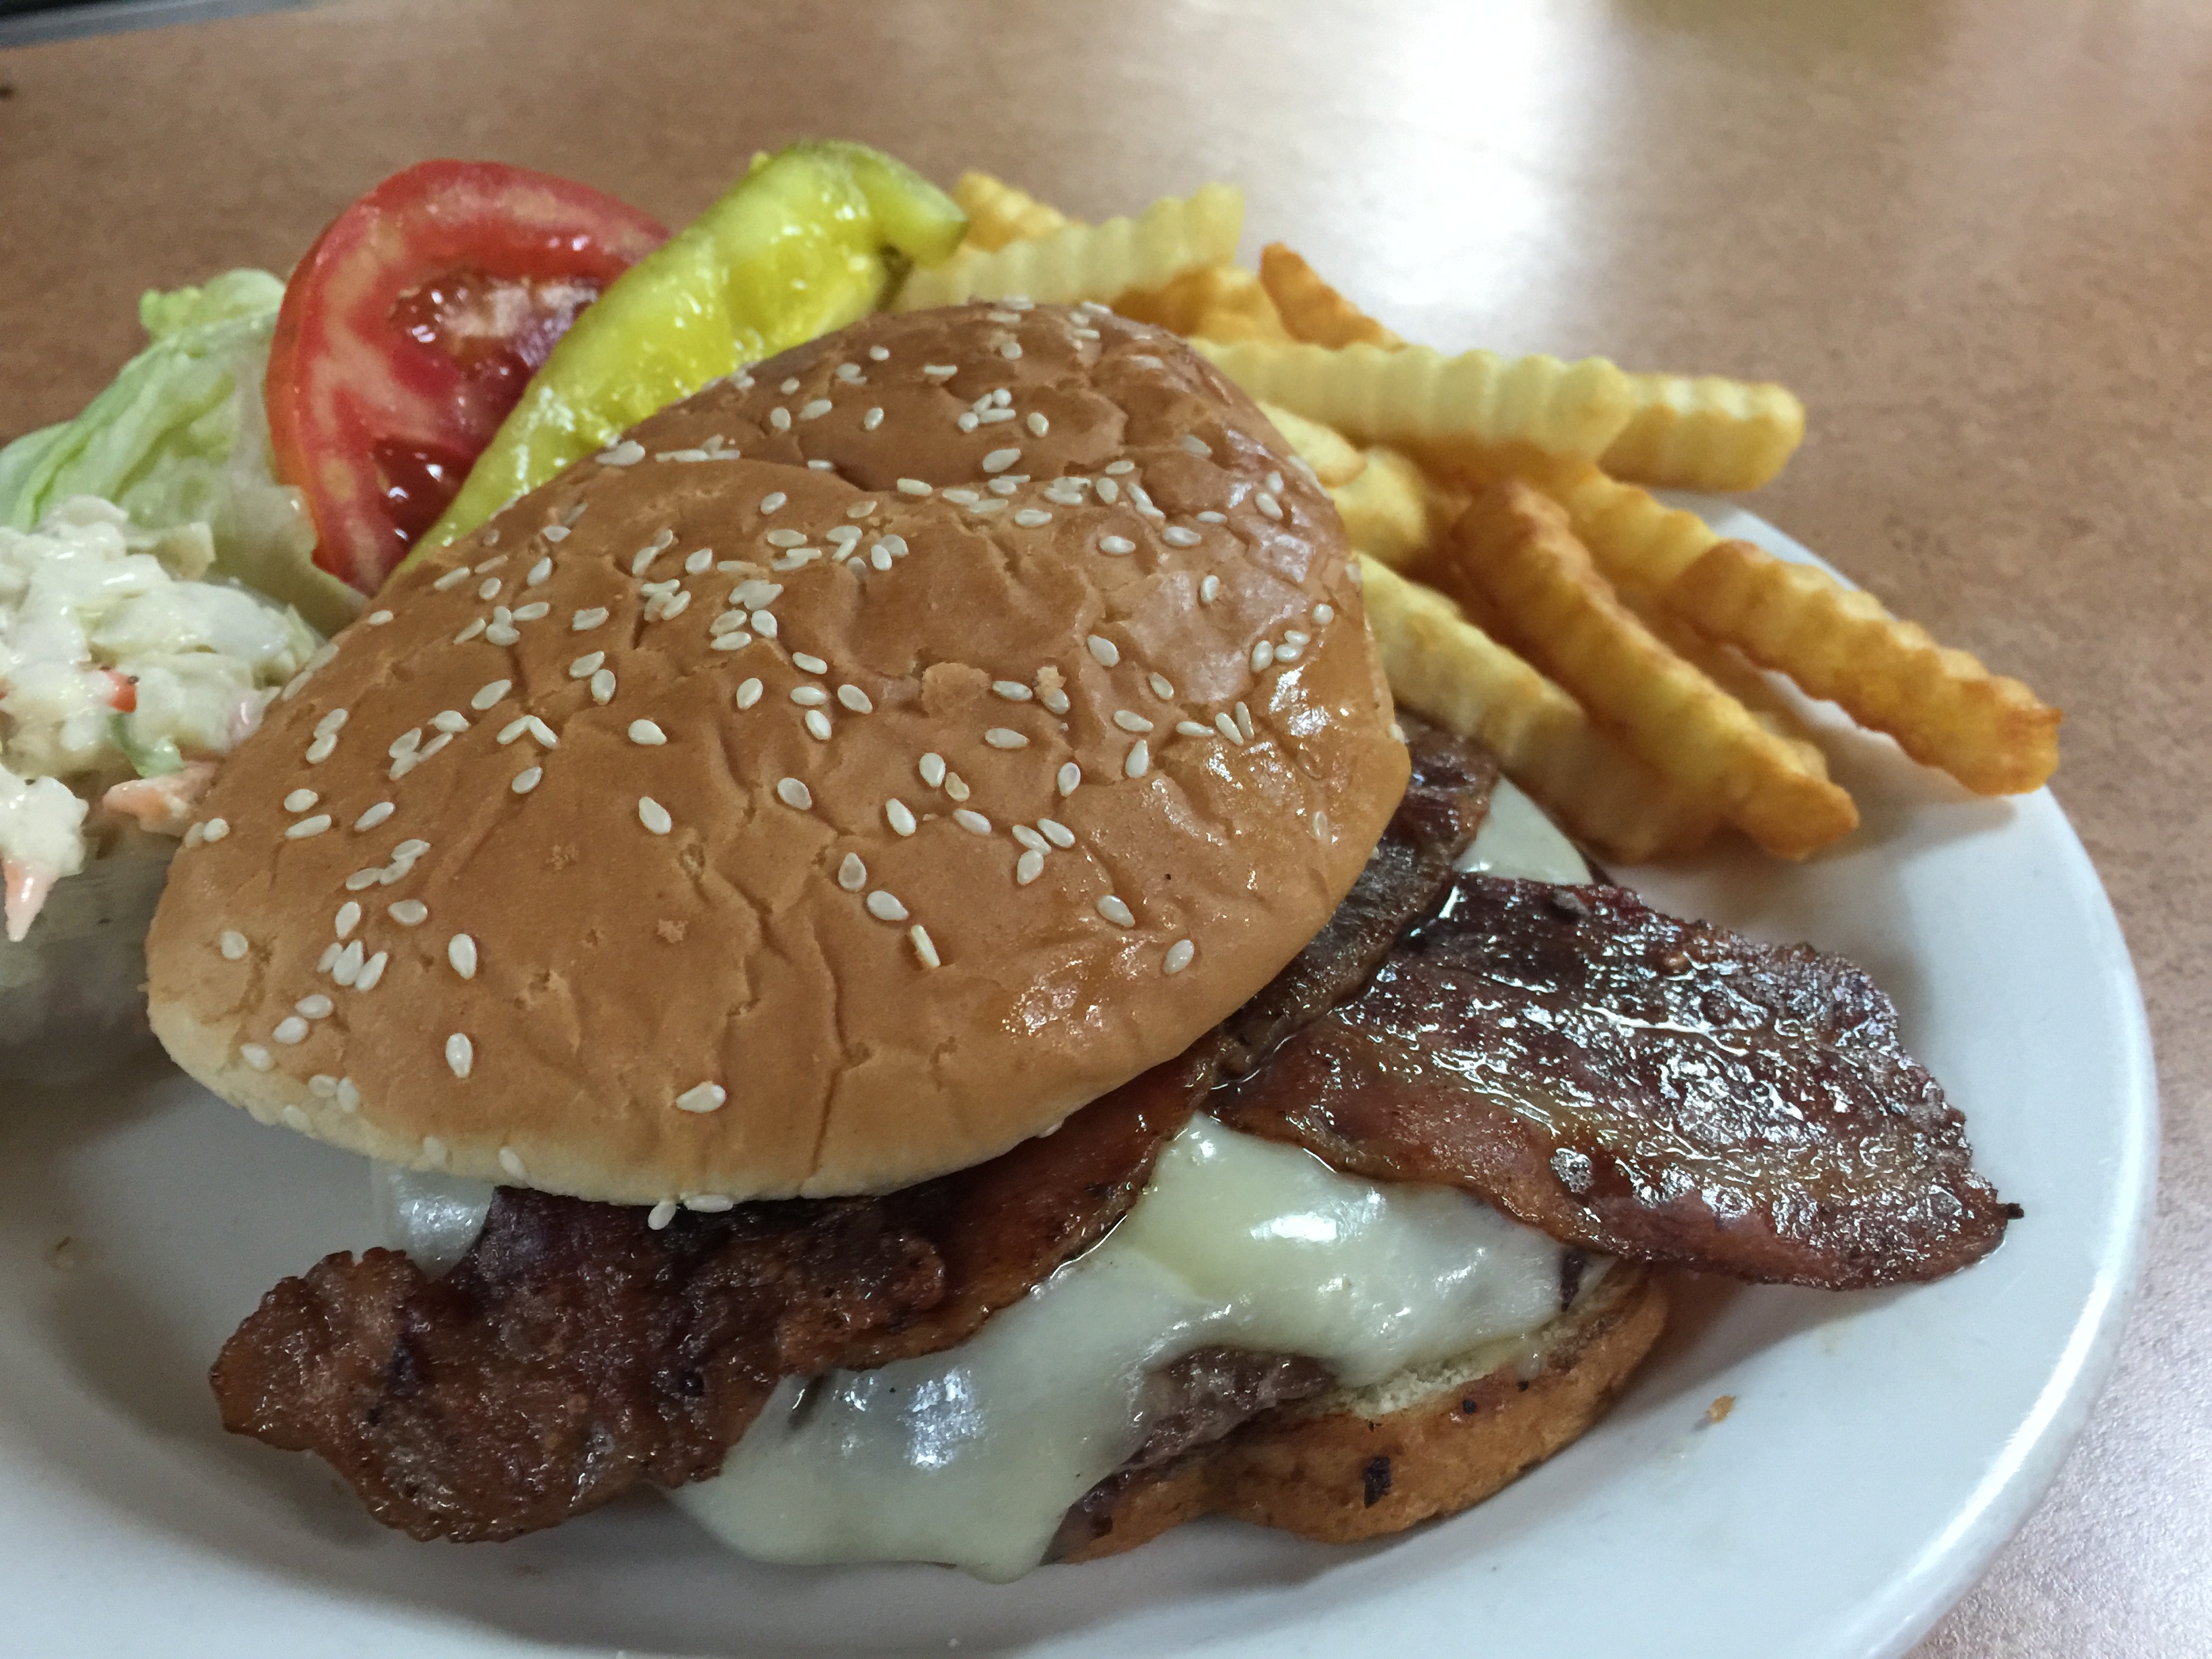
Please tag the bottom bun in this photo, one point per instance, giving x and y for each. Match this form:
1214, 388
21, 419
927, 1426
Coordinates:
1358, 1463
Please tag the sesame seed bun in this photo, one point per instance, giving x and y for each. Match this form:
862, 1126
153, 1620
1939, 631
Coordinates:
979, 801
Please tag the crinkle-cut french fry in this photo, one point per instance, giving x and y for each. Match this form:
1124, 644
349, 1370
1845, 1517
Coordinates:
1516, 544
1441, 666
1333, 458
1705, 433
1726, 666
1418, 396
1393, 511
1945, 710
1090, 262
1641, 543
1222, 302
1000, 213
1313, 311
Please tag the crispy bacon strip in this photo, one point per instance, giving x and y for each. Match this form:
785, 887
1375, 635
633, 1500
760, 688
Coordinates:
1641, 1086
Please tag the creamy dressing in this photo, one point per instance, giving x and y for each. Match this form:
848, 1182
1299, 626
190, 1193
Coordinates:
971, 1456
116, 659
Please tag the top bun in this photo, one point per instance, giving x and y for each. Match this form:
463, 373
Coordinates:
848, 774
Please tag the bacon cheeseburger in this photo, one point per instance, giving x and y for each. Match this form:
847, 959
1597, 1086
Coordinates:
903, 873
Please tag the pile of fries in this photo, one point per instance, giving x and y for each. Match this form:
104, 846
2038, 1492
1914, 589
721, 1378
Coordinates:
1523, 584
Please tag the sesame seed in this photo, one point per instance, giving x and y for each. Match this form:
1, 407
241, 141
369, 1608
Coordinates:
528, 779
461, 951
844, 534
748, 693
814, 409
1011, 348
300, 799
362, 878
1321, 826
809, 696
879, 555
962, 497
408, 913
1116, 912
730, 621
699, 562
514, 728
321, 750
1116, 544
966, 420
1028, 837
661, 1214
324, 962
603, 687
1227, 727
542, 732
886, 907
1209, 590
584, 621
785, 538
232, 944
755, 592
1130, 721
1268, 504
702, 1097
306, 827
871, 420
899, 816
940, 371
1179, 956
972, 822
1288, 653
648, 733
377, 618
894, 545
1103, 650
1054, 699
290, 1030
1212, 517
1140, 761
1038, 425
710, 1203
912, 487
488, 588
1324, 614
408, 851
654, 816
1176, 536
1012, 691
331, 723
322, 1086
763, 623
850, 372
1122, 466
348, 1095
544, 568
818, 725
811, 665
489, 694
511, 1161
1108, 491
452, 580
1192, 729
1005, 736
794, 794
348, 919
500, 634
451, 721
628, 452
1198, 446
469, 632
1244, 722
461, 1055
582, 668
924, 947
371, 971
1030, 518
852, 874
932, 768
1263, 654
954, 788
856, 699
255, 1055
1275, 482
1056, 832
789, 386
1000, 459
779, 419
1070, 776
430, 748
878, 353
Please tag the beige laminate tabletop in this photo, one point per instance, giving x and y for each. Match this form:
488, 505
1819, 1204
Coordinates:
1973, 235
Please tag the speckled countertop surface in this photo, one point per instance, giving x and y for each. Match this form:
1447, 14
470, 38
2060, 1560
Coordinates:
1971, 236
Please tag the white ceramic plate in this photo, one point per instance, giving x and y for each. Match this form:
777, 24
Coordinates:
1882, 1446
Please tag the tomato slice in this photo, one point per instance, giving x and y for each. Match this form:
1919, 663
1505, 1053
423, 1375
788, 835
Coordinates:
412, 327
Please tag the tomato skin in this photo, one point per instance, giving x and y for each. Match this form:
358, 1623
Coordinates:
411, 329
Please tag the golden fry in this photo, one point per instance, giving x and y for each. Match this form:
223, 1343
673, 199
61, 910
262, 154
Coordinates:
1942, 706
1090, 262
1393, 511
1441, 666
1516, 544
1417, 396
1221, 302
997, 212
1333, 460
1313, 311
1705, 433
1726, 666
